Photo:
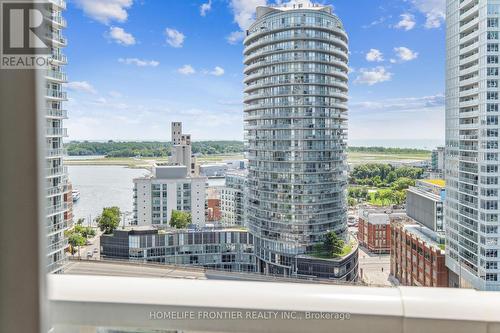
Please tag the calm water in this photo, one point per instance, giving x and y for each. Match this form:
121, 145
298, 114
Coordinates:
102, 186
106, 186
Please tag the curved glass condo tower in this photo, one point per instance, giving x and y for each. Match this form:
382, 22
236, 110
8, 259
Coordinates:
296, 67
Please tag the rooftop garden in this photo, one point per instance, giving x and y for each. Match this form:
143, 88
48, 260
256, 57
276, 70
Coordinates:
333, 247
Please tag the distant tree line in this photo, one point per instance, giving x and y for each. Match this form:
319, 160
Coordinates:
387, 150
148, 148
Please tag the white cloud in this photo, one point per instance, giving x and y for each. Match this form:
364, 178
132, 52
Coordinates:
244, 15
105, 11
174, 38
374, 55
373, 76
407, 22
405, 54
82, 86
434, 11
115, 94
186, 70
401, 104
139, 62
218, 71
120, 36
235, 37
205, 8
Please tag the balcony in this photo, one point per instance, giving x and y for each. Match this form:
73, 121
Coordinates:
137, 304
56, 171
56, 113
56, 94
57, 132
51, 210
55, 153
58, 20
55, 75
59, 3
60, 58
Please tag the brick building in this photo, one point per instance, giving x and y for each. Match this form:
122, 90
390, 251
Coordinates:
374, 232
417, 256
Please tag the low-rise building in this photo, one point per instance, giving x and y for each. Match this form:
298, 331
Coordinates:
417, 255
213, 209
228, 249
418, 241
213, 170
374, 231
169, 188
424, 203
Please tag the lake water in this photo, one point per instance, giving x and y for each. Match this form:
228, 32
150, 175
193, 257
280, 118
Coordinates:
102, 186
106, 186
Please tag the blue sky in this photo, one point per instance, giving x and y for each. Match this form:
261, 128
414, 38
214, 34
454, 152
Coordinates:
136, 65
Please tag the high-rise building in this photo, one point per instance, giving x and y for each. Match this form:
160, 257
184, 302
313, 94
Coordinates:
233, 198
472, 129
59, 217
437, 160
296, 73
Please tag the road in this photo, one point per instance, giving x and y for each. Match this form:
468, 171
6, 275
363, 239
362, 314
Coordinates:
375, 268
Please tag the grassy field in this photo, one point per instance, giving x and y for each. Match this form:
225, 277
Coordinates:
362, 158
353, 158
145, 162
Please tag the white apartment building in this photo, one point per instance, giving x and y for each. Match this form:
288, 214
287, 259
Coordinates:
59, 216
472, 132
169, 188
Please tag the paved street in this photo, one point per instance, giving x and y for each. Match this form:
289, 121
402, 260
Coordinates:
375, 268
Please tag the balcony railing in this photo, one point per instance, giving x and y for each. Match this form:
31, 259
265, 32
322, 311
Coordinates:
149, 304
59, 3
57, 132
56, 113
52, 93
56, 75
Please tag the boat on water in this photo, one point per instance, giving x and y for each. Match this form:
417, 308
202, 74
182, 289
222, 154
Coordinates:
76, 195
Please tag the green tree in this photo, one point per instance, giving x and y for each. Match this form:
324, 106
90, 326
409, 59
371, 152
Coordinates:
352, 202
179, 219
109, 220
403, 183
76, 240
333, 245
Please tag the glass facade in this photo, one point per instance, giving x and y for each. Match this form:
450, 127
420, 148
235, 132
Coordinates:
295, 130
471, 209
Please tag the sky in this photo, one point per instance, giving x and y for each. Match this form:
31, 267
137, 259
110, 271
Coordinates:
137, 65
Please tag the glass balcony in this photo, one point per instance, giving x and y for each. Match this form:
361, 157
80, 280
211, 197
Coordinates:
56, 113
56, 94
56, 75
57, 171
57, 132
52, 210
59, 3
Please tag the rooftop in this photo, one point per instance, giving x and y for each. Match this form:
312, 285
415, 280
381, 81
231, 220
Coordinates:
437, 182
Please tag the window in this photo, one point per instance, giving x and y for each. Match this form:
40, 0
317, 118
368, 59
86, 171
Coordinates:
492, 22
492, 83
492, 71
492, 47
492, 35
492, 59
